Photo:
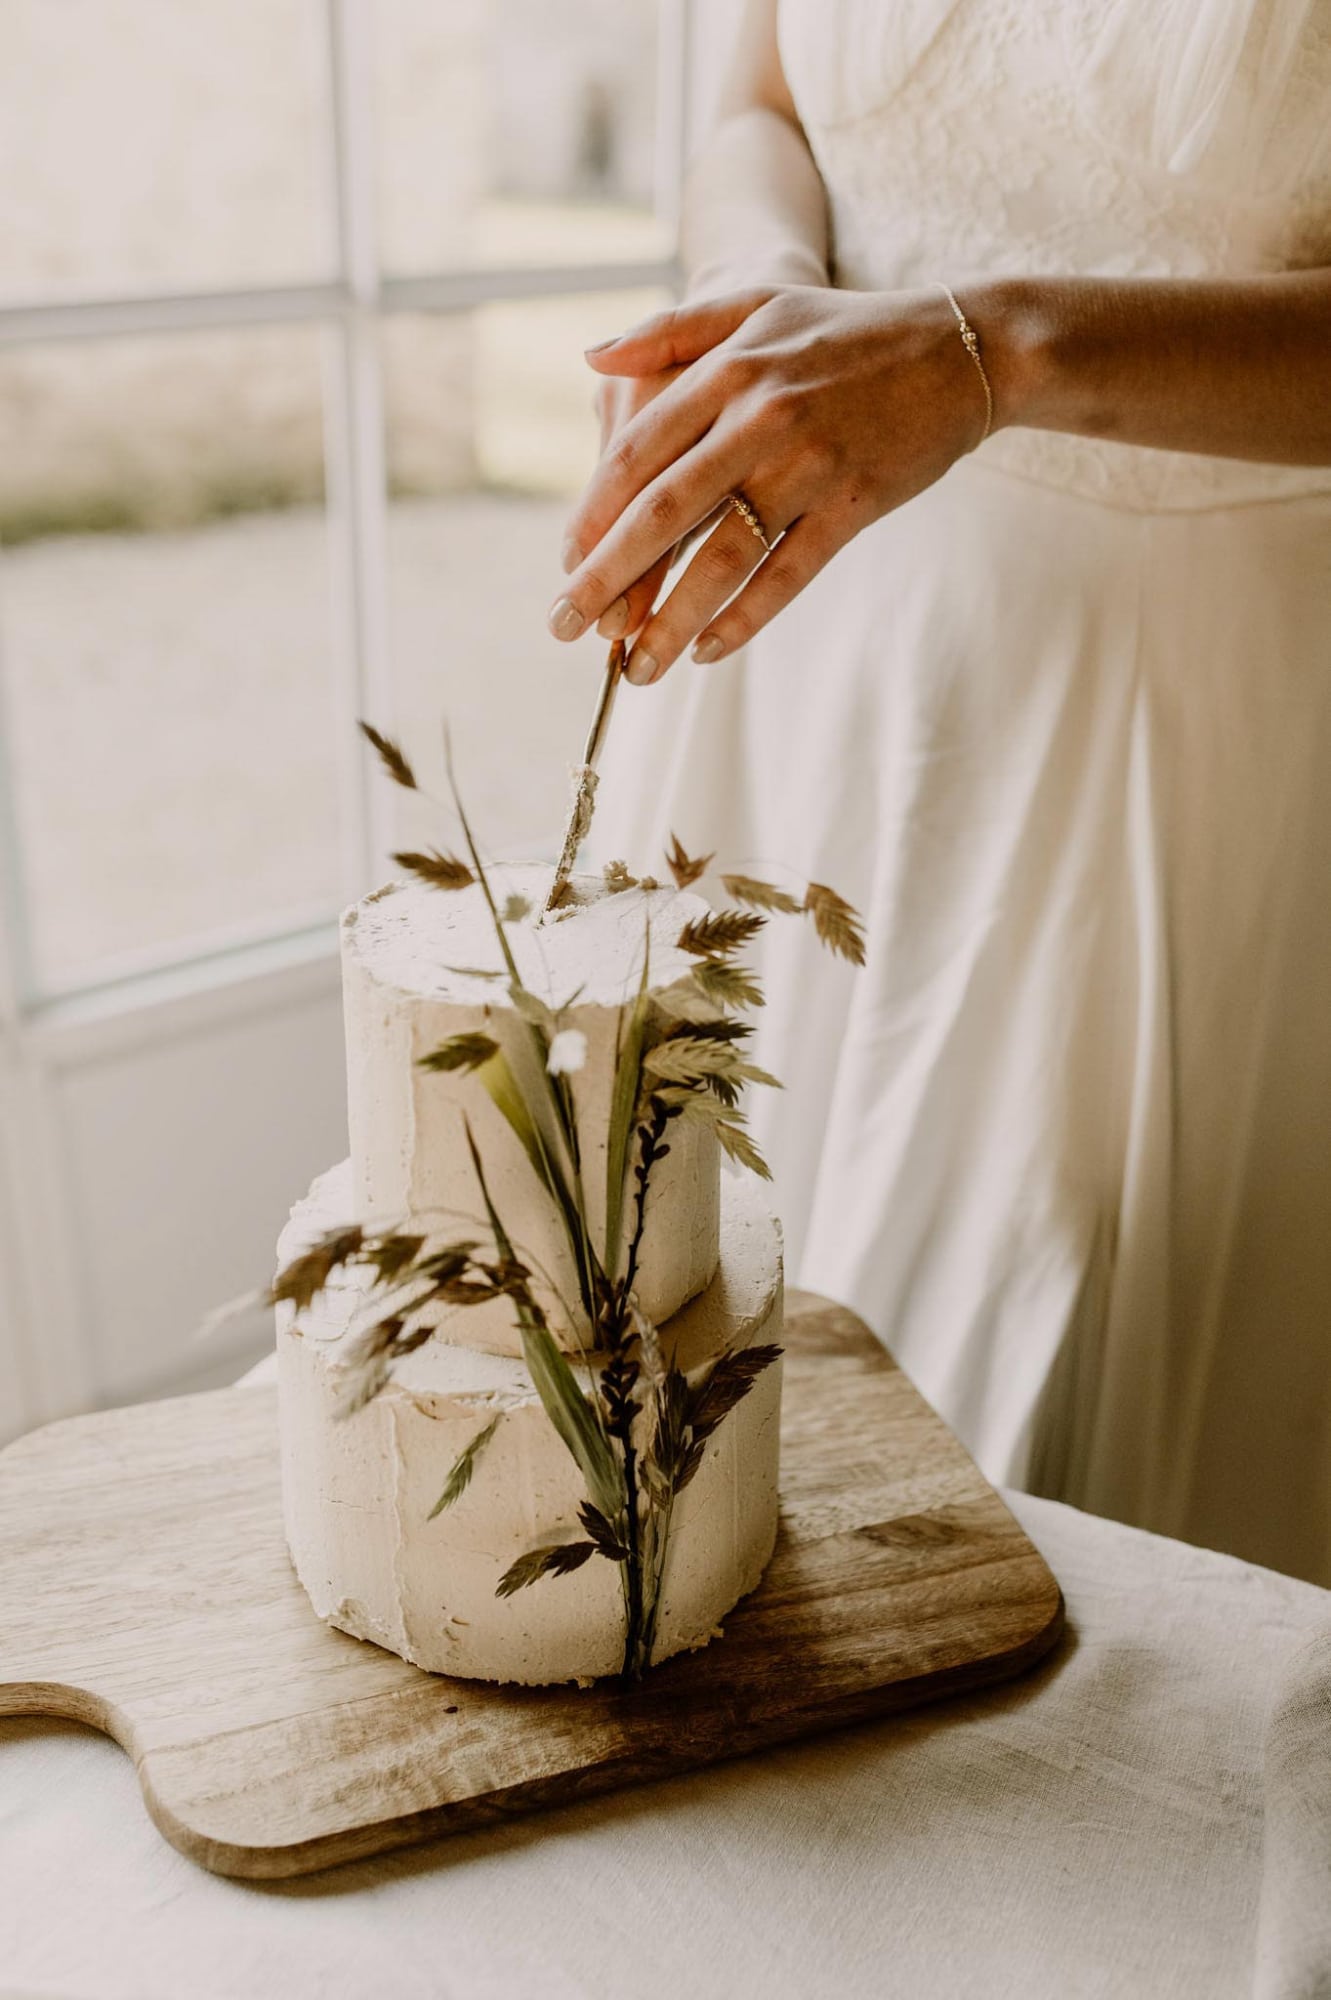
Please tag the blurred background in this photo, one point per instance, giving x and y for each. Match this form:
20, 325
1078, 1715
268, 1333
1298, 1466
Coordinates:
293, 297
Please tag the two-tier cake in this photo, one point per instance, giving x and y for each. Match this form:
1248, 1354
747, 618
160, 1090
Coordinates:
375, 1554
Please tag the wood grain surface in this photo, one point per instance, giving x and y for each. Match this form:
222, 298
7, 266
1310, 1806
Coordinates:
145, 1588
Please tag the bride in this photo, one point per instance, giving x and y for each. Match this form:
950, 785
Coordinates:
1010, 328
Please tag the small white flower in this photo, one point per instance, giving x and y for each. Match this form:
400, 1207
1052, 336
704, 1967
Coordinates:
568, 1052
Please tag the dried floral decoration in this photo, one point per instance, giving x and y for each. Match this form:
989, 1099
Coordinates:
685, 870
635, 1424
441, 871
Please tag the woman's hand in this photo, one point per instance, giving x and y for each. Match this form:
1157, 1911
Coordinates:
619, 398
824, 408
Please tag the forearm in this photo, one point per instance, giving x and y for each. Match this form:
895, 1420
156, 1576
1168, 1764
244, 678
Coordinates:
1239, 368
755, 209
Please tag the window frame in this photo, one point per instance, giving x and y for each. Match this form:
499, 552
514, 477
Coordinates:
349, 307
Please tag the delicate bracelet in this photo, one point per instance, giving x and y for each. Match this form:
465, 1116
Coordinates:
971, 342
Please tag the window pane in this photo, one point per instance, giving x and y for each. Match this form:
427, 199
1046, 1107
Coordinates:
166, 636
516, 132
491, 433
147, 145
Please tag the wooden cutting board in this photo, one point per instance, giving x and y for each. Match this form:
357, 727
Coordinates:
145, 1588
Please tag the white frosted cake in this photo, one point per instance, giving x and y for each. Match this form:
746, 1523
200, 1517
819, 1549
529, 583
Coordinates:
418, 966
376, 1554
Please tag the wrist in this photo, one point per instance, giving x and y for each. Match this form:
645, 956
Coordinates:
1015, 334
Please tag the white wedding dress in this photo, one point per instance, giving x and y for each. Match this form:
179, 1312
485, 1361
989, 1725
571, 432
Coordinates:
1061, 727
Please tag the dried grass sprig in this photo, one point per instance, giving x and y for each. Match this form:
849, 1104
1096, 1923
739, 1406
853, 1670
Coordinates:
608, 1541
725, 984
390, 1256
760, 895
680, 1056
836, 921
719, 933
726, 1384
302, 1280
685, 868
465, 1051
459, 1479
558, 1559
440, 871
616, 877
728, 1124
390, 756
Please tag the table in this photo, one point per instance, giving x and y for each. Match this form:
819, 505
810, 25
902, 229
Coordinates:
1149, 1813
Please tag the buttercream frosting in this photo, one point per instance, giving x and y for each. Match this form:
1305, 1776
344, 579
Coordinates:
421, 965
358, 1491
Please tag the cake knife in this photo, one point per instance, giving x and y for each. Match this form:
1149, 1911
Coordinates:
584, 777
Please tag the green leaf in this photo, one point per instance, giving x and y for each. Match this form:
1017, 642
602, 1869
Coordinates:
532, 1009
570, 1412
497, 1077
466, 1051
540, 1147
543, 1091
623, 1102
459, 1479
505, 951
540, 1142
556, 1560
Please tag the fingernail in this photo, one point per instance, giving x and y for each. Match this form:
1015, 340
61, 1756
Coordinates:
642, 667
566, 621
614, 621
601, 345
708, 649
570, 555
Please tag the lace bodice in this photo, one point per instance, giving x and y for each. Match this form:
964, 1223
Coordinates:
965, 138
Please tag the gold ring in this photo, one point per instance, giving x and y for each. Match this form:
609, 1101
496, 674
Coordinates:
746, 513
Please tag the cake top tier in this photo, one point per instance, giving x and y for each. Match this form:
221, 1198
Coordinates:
441, 944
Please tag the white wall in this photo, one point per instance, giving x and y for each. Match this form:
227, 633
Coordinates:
148, 1161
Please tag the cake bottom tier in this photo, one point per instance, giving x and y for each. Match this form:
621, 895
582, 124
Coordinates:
358, 1491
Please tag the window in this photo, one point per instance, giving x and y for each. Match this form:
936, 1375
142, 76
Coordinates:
292, 298
293, 305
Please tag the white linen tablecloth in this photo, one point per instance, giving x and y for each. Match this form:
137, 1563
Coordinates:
1148, 1813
